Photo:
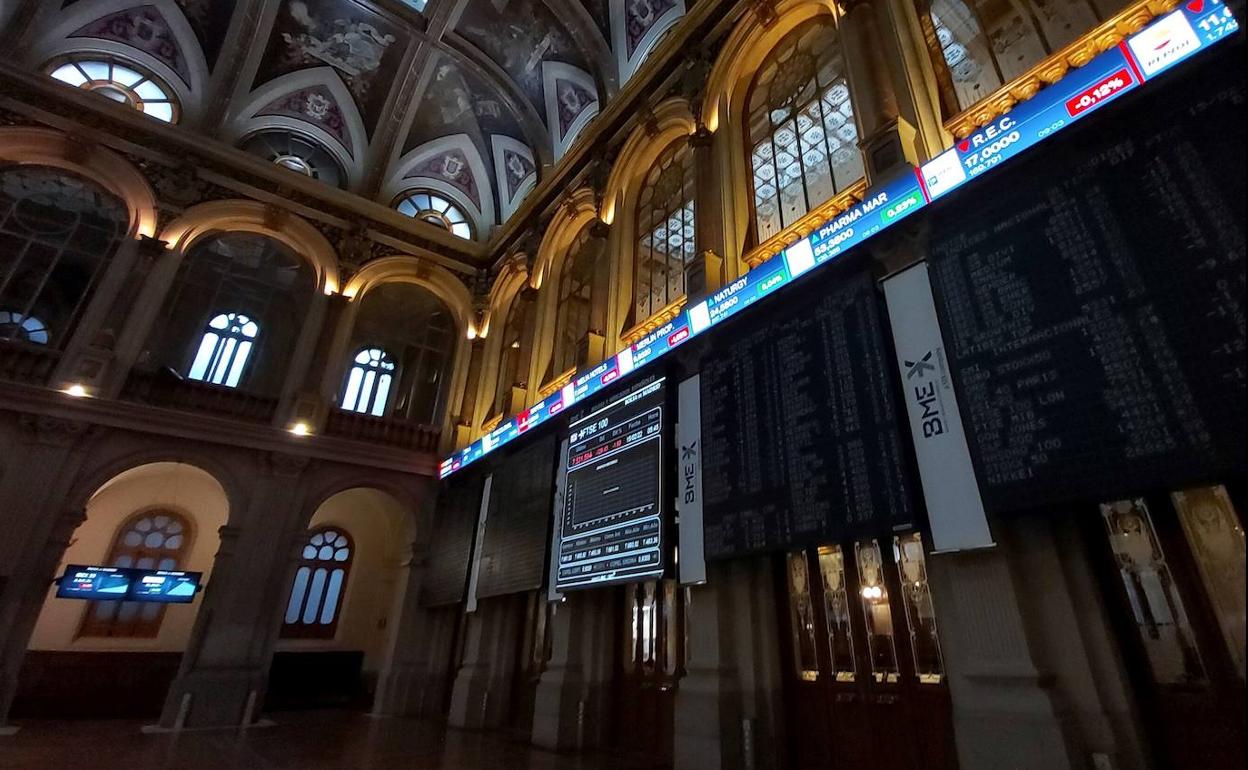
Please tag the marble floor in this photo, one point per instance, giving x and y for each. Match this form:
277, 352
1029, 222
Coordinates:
303, 741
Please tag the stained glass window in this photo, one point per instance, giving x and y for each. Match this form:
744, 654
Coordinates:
802, 134
155, 539
987, 43
577, 284
436, 210
315, 602
368, 383
224, 349
57, 233
121, 83
665, 231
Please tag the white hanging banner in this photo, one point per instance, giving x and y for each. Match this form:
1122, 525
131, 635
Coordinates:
692, 552
474, 571
954, 506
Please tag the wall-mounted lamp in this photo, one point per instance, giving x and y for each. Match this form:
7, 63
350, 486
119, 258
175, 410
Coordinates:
76, 390
301, 429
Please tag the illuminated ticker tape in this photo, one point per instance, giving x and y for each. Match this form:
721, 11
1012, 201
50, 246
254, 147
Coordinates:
1194, 26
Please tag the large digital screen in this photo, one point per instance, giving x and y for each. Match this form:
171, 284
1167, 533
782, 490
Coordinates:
611, 518
126, 584
1169, 40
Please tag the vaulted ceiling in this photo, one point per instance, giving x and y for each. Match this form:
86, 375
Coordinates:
471, 99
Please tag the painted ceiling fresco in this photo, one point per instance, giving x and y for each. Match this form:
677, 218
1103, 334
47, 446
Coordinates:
363, 47
518, 35
478, 104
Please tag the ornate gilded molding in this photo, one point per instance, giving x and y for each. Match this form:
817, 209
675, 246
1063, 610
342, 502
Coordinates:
491, 423
653, 322
803, 227
556, 384
1052, 69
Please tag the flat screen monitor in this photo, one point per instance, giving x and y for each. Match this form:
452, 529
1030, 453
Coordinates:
127, 584
611, 522
82, 582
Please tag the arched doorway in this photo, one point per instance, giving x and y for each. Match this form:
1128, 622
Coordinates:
116, 659
339, 610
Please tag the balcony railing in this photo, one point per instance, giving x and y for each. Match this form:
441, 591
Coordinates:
382, 430
165, 388
27, 364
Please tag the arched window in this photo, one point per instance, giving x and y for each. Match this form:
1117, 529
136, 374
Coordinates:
513, 368
803, 139
368, 383
436, 210
297, 153
223, 349
122, 83
23, 328
577, 288
416, 331
665, 231
156, 539
987, 43
321, 578
57, 232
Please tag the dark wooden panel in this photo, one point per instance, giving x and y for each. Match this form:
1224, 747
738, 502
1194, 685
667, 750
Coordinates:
93, 685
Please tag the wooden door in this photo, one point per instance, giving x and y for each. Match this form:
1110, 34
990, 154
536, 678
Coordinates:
651, 638
865, 681
1172, 566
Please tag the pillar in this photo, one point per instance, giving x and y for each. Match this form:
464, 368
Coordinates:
89, 358
1005, 712
874, 67
142, 315
323, 376
573, 695
224, 671
37, 530
297, 368
705, 273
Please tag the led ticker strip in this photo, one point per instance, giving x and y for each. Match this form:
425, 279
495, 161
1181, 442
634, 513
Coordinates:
1194, 26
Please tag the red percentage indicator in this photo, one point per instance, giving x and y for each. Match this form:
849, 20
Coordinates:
1094, 94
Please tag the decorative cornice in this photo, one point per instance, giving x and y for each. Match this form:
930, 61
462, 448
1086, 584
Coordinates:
556, 384
803, 227
653, 322
1052, 69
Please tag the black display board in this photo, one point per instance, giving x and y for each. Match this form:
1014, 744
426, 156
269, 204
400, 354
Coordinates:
513, 553
613, 515
800, 433
1092, 301
450, 547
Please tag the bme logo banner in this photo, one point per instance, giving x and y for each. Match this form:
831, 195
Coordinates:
954, 507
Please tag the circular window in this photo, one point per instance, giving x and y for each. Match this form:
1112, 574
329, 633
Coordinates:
120, 83
436, 210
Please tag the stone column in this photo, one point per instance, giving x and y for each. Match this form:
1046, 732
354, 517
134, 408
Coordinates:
323, 377
89, 357
871, 60
573, 694
37, 530
482, 688
1004, 710
705, 273
297, 367
145, 308
224, 672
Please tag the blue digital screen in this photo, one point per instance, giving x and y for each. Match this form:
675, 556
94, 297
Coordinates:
81, 582
126, 584
1170, 39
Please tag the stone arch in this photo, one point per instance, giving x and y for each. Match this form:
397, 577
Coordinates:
570, 219
217, 217
21, 145
511, 280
